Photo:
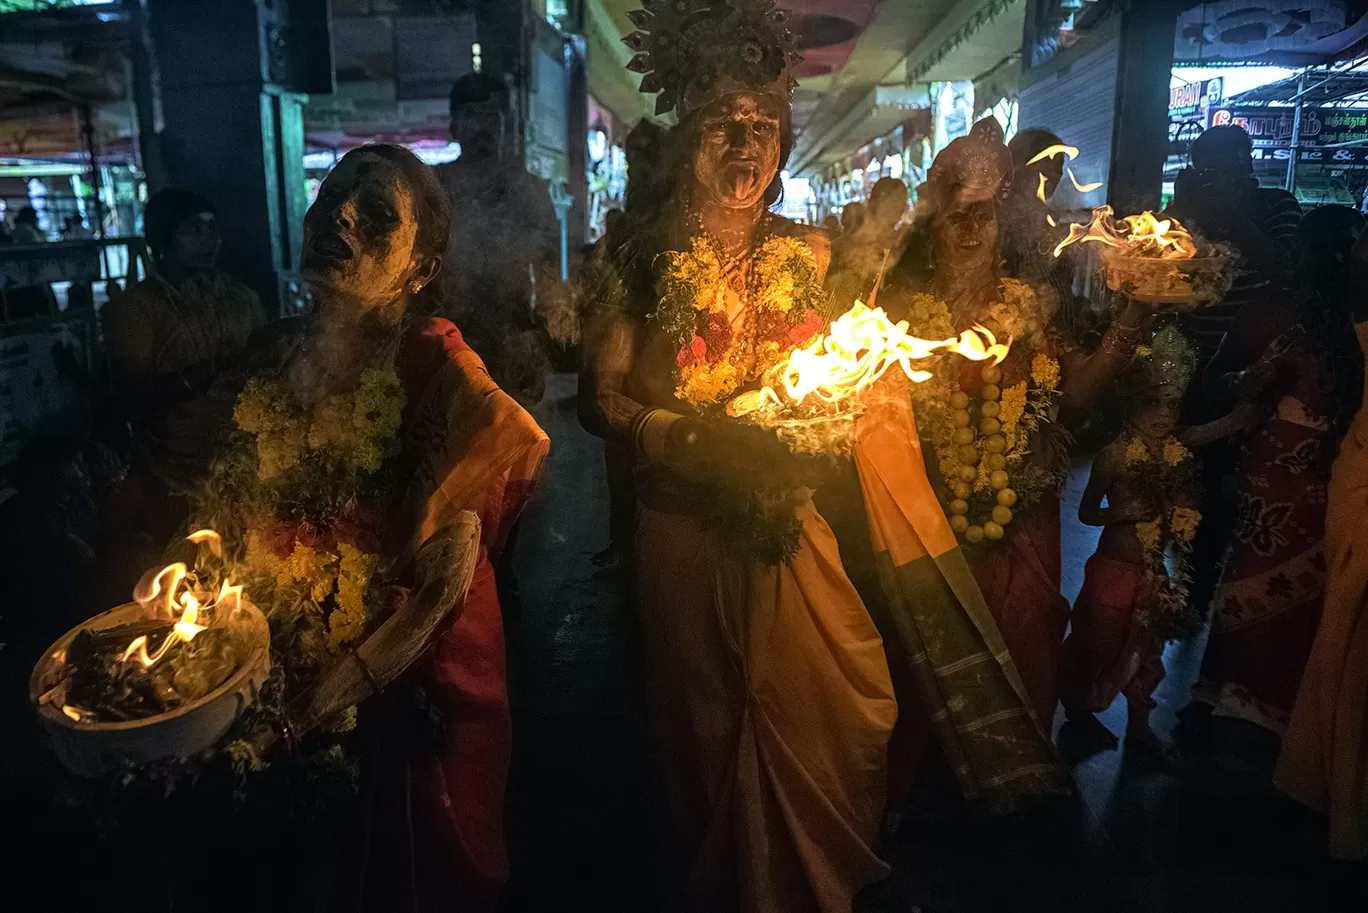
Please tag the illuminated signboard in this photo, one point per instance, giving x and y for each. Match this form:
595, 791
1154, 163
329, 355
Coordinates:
1190, 108
1271, 130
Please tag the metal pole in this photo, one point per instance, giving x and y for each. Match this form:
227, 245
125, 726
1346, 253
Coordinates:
96, 185
1291, 183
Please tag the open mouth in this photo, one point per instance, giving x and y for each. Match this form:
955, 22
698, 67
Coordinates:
330, 246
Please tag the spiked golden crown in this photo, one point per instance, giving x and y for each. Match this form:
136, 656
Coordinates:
694, 51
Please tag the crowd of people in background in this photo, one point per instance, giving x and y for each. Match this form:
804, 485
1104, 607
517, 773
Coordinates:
1265, 396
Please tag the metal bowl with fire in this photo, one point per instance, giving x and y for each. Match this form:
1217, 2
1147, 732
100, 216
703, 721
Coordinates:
1156, 260
164, 676
812, 399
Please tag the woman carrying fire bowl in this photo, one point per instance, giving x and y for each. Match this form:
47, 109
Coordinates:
769, 694
363, 433
997, 456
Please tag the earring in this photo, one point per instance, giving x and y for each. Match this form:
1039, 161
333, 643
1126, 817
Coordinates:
415, 287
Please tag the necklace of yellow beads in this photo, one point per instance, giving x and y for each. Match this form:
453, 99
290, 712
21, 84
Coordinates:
979, 448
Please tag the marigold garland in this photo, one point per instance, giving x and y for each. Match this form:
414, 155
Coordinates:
981, 442
350, 617
306, 561
356, 427
1167, 539
784, 292
1183, 521
782, 296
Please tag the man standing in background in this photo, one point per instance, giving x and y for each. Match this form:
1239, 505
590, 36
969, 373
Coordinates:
504, 253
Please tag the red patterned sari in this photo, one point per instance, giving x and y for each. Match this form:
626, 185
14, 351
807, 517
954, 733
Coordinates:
1268, 603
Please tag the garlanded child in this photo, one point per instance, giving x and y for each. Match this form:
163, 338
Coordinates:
1131, 603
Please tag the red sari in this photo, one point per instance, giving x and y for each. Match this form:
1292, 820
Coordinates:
1021, 581
439, 743
1110, 650
1020, 576
1268, 603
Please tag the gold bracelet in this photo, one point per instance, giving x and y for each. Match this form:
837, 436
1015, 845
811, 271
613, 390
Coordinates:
653, 431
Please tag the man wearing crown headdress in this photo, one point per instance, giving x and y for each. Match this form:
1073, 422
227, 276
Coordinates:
768, 689
999, 455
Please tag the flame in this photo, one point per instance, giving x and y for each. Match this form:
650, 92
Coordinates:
1049, 152
860, 347
1040, 195
1081, 188
170, 591
1144, 235
215, 541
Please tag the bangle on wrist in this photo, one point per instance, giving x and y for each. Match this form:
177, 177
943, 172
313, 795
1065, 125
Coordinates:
1119, 344
651, 432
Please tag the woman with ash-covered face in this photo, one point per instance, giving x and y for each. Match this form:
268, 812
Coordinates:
768, 690
1001, 453
364, 431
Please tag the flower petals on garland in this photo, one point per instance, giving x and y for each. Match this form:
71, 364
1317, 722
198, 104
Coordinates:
784, 291
1167, 539
312, 548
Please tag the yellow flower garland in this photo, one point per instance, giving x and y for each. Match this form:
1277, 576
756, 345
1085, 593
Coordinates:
355, 430
1184, 521
350, 616
1173, 618
1172, 451
1149, 533
708, 383
983, 464
356, 426
783, 280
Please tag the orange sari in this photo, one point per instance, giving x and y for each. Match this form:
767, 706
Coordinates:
771, 707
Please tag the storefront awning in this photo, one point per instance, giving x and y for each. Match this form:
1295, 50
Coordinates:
973, 39
877, 113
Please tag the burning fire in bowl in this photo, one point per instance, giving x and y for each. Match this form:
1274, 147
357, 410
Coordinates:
1156, 260
812, 398
164, 676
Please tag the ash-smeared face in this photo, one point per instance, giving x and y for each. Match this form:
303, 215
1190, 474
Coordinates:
966, 235
359, 235
738, 149
1155, 412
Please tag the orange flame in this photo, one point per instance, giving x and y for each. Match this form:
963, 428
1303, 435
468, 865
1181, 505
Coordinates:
1049, 152
1144, 235
860, 347
1082, 188
171, 590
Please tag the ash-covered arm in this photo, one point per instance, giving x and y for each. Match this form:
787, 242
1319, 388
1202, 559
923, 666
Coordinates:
694, 447
444, 568
1088, 378
604, 409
